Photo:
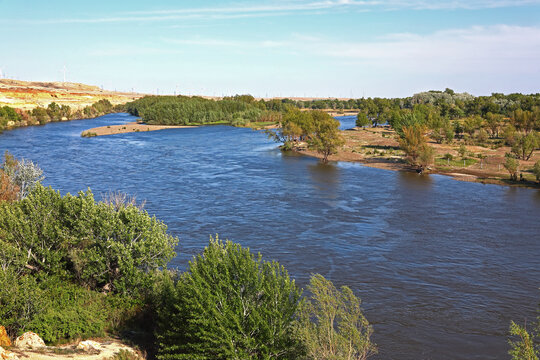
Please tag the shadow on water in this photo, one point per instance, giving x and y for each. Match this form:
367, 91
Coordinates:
414, 181
325, 177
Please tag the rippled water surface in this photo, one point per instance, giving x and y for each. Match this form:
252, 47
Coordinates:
441, 266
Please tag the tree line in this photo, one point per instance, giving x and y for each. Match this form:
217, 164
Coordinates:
183, 110
446, 117
11, 117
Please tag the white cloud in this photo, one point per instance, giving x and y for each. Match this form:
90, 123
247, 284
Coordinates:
481, 49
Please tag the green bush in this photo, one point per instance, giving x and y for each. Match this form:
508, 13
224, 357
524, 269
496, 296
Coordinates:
21, 299
70, 312
229, 305
93, 244
71, 267
332, 325
58, 310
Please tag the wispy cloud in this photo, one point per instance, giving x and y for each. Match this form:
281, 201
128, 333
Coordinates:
478, 48
249, 10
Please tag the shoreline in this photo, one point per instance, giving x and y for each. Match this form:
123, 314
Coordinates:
465, 175
128, 128
378, 148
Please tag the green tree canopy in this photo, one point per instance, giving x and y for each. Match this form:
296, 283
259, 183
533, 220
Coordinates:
230, 304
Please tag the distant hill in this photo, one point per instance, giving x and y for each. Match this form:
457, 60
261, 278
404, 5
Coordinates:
27, 95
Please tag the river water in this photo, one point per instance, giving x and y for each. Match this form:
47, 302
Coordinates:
441, 266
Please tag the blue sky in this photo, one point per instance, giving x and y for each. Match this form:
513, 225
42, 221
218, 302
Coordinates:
323, 48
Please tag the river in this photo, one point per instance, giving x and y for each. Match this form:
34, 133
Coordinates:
442, 266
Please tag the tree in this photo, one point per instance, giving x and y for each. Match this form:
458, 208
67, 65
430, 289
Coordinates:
41, 115
426, 157
65, 112
326, 139
536, 170
362, 119
442, 129
230, 304
54, 112
332, 325
512, 165
406, 120
471, 124
414, 144
296, 125
493, 123
525, 145
509, 135
523, 120
462, 151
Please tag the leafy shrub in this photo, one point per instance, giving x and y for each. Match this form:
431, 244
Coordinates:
229, 305
56, 309
21, 299
60, 255
524, 348
448, 156
70, 312
74, 238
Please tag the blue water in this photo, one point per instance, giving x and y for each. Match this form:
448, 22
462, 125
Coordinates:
441, 266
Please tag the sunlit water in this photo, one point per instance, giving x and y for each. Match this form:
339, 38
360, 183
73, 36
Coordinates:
441, 266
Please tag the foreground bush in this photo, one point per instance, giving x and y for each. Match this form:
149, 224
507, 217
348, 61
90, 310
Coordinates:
523, 346
74, 238
332, 325
229, 305
59, 310
71, 267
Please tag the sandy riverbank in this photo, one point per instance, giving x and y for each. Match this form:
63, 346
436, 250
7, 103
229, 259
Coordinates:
127, 128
